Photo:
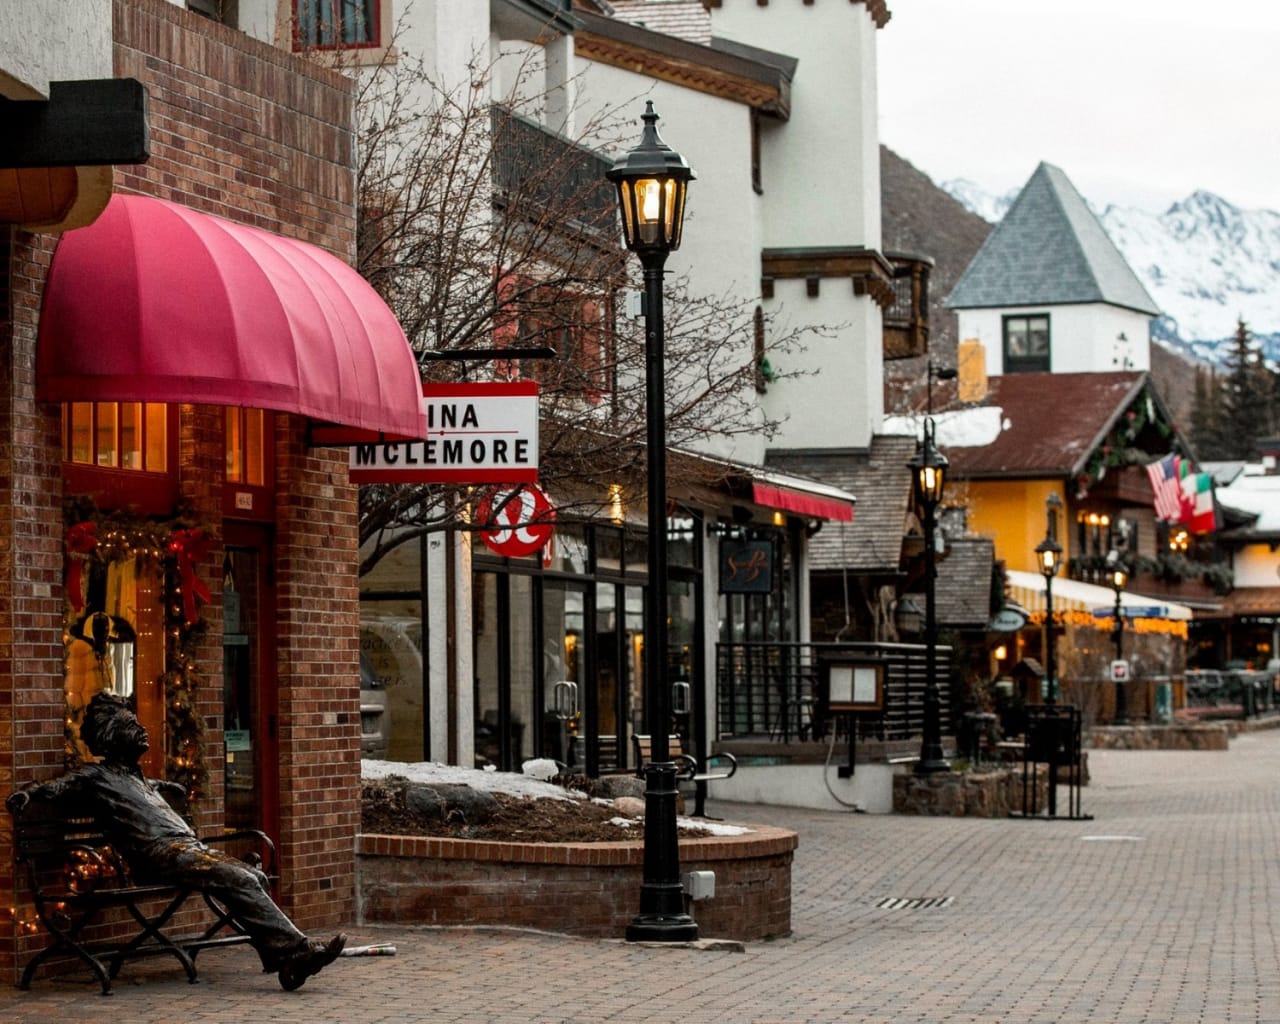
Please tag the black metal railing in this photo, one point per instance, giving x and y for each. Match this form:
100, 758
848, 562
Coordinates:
777, 691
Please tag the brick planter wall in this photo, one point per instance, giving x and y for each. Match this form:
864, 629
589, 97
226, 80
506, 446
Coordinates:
587, 889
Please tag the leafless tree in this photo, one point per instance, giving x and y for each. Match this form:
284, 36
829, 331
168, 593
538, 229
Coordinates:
482, 230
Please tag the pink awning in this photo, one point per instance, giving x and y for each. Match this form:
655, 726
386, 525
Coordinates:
154, 302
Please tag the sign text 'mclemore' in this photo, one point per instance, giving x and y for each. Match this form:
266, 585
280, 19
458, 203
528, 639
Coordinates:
476, 433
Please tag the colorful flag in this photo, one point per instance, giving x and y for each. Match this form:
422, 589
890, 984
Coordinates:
1166, 484
1197, 494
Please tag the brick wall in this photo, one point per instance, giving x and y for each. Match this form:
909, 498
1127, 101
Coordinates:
239, 128
31, 706
244, 131
588, 889
317, 595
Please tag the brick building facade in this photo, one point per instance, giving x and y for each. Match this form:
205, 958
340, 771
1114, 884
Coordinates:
246, 132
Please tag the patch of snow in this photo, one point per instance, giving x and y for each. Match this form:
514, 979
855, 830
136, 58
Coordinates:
510, 783
955, 428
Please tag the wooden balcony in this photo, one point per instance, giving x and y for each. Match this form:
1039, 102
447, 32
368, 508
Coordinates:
906, 321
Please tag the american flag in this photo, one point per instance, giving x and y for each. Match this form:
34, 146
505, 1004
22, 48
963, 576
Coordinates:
1166, 484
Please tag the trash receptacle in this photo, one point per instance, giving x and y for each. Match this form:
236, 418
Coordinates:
1164, 703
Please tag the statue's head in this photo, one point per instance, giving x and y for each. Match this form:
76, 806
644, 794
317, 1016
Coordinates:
112, 731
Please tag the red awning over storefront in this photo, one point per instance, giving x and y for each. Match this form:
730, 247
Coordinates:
154, 302
804, 499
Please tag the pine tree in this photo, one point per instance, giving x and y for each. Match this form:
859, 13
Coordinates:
1206, 414
1246, 398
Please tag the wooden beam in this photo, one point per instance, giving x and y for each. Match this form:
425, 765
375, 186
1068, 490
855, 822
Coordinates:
82, 124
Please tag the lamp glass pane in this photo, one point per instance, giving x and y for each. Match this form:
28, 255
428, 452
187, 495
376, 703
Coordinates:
649, 209
628, 211
682, 190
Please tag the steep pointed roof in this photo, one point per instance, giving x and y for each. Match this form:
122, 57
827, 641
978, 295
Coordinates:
1049, 250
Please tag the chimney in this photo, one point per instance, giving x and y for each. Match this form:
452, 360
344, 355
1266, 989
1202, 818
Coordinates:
971, 361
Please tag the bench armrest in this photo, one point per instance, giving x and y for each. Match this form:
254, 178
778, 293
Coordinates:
265, 848
718, 761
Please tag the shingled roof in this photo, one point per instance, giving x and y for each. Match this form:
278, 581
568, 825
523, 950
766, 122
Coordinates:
1049, 250
1052, 422
879, 477
962, 589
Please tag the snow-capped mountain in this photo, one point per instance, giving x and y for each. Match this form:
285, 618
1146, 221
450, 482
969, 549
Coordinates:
1205, 262
976, 199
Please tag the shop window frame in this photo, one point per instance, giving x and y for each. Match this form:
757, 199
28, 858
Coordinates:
152, 492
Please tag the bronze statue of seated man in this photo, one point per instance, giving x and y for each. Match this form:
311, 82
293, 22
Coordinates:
160, 847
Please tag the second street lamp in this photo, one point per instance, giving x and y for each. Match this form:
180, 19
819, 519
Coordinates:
929, 469
1048, 558
1118, 580
652, 180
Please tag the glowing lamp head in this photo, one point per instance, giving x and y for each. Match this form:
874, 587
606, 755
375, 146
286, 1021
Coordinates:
652, 181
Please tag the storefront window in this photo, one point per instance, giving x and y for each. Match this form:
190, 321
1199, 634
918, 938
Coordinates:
246, 459
570, 549
682, 549
608, 550
391, 648
116, 435
117, 644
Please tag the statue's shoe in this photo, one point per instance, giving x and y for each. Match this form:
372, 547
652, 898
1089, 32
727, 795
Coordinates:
310, 960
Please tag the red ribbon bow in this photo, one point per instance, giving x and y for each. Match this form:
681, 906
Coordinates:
190, 547
81, 539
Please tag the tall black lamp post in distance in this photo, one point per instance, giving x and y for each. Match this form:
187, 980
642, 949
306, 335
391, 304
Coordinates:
929, 469
1049, 557
1119, 578
652, 181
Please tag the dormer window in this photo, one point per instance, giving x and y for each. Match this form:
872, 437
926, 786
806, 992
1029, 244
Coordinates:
1026, 343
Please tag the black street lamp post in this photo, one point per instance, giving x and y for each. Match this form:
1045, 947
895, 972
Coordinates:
929, 468
1049, 557
652, 180
1119, 577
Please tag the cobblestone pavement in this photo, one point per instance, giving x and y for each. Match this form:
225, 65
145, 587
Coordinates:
1159, 909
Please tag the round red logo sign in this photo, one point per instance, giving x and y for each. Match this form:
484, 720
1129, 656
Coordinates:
523, 520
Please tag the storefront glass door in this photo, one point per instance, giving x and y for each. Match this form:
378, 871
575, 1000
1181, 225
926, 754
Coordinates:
252, 781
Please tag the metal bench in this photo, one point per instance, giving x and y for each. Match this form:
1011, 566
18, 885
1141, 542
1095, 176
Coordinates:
719, 766
75, 878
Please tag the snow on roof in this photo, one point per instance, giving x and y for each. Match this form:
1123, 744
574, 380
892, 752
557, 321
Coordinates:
956, 428
1257, 494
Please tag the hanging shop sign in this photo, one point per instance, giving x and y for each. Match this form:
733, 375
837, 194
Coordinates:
477, 433
746, 566
524, 519
1008, 619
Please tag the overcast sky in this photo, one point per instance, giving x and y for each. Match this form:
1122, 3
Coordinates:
1140, 102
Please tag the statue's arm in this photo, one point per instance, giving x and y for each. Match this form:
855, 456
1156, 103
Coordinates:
52, 791
167, 787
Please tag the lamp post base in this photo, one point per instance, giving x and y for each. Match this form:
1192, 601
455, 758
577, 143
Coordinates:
932, 764
662, 916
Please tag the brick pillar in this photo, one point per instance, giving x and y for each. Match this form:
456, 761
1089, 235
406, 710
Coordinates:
318, 613
31, 560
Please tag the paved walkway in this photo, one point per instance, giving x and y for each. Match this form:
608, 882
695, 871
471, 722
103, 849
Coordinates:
1160, 909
